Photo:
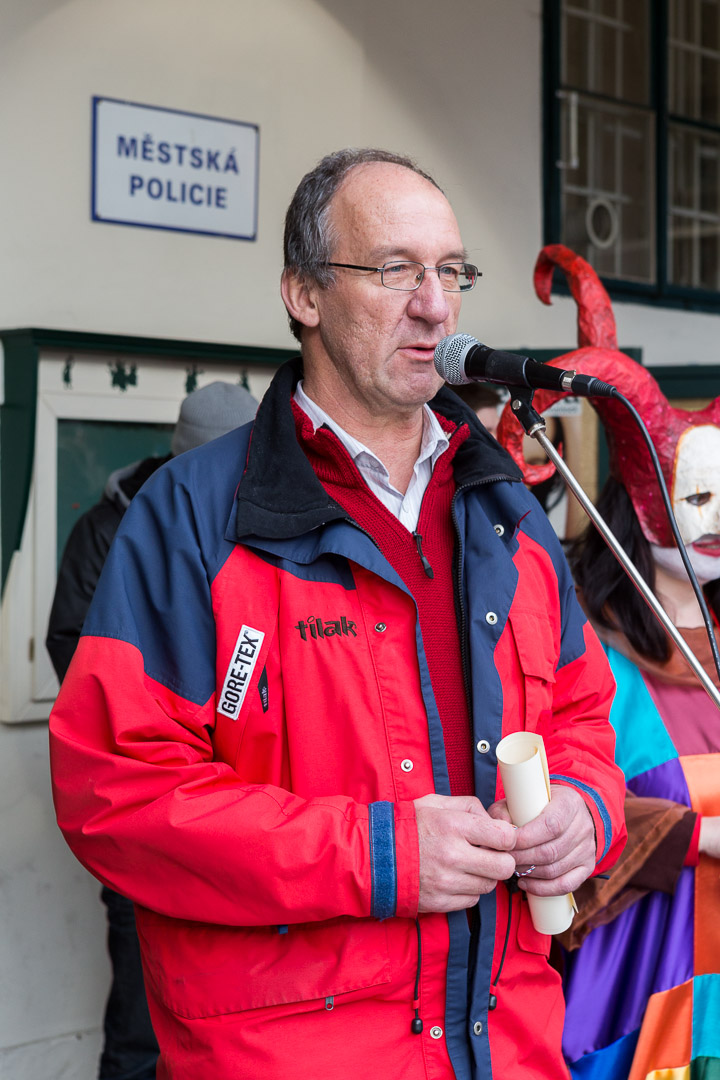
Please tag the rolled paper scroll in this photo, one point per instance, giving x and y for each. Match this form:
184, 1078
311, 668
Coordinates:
525, 777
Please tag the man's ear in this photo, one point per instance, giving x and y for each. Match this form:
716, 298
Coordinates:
299, 298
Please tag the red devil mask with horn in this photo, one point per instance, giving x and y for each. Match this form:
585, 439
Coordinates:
598, 355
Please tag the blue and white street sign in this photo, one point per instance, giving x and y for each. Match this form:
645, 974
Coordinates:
167, 169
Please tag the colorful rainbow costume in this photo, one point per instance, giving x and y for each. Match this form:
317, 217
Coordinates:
643, 992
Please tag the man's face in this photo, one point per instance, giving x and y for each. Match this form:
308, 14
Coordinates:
373, 351
696, 490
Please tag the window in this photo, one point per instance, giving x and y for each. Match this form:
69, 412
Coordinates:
633, 143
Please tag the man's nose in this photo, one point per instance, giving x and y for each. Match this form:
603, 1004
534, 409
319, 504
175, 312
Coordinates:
430, 301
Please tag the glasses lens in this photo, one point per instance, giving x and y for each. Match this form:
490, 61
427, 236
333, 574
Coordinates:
458, 277
405, 276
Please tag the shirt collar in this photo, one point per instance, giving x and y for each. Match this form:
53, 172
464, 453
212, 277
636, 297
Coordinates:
434, 441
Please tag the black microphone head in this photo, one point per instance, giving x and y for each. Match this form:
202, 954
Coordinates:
450, 356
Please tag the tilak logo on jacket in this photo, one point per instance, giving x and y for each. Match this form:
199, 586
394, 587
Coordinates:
239, 672
319, 628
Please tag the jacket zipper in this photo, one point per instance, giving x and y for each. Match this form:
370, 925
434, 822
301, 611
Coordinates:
423, 557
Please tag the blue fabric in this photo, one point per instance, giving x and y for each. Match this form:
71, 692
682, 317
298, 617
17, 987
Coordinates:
489, 584
328, 571
614, 1060
149, 584
456, 1012
382, 860
706, 1016
534, 523
642, 740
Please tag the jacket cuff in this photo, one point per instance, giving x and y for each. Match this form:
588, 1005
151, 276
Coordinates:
598, 812
392, 828
383, 863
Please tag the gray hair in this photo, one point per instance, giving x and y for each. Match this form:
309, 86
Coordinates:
309, 239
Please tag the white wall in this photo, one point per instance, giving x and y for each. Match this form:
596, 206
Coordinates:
456, 84
55, 971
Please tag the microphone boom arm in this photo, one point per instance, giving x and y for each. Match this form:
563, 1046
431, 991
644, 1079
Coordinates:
534, 425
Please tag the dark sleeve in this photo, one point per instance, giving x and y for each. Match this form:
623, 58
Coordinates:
80, 566
661, 869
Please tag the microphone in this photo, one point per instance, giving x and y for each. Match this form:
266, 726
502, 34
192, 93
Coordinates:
461, 358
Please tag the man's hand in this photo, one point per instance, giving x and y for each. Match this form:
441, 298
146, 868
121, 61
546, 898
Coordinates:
559, 844
463, 852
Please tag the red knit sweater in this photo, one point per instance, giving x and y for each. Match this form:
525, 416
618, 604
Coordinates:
434, 596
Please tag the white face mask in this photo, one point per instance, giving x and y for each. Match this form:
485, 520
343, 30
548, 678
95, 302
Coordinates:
706, 567
696, 489
696, 503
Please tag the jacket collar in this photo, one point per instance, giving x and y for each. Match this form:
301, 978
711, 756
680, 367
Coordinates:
280, 496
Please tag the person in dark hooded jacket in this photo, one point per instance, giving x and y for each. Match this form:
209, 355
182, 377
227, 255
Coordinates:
130, 1049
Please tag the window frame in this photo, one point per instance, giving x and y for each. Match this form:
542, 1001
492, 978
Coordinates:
48, 376
662, 292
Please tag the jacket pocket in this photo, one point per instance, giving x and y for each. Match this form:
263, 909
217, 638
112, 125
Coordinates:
537, 658
198, 970
529, 939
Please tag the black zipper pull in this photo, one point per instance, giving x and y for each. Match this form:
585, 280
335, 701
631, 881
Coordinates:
417, 1025
425, 564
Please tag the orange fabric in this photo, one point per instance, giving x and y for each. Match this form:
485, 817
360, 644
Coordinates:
666, 1034
701, 775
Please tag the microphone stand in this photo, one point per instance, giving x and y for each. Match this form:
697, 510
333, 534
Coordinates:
534, 425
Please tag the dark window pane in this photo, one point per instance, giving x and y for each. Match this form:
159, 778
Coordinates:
680, 248
694, 212
605, 48
694, 59
709, 72
608, 199
709, 277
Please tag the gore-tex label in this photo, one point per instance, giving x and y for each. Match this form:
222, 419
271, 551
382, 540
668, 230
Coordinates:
239, 672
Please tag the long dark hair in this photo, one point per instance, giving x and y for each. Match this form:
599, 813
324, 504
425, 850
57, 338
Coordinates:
610, 598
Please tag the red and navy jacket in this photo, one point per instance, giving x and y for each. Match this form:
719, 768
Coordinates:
242, 732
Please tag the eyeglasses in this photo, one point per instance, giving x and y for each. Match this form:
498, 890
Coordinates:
408, 276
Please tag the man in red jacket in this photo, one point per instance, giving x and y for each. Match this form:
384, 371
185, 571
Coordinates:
302, 654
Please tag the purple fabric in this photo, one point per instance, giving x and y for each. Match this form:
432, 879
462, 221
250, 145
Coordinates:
648, 948
666, 781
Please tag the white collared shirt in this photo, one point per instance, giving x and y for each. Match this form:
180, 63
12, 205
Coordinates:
406, 508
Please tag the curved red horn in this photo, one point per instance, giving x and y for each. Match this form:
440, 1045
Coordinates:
630, 460
595, 319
